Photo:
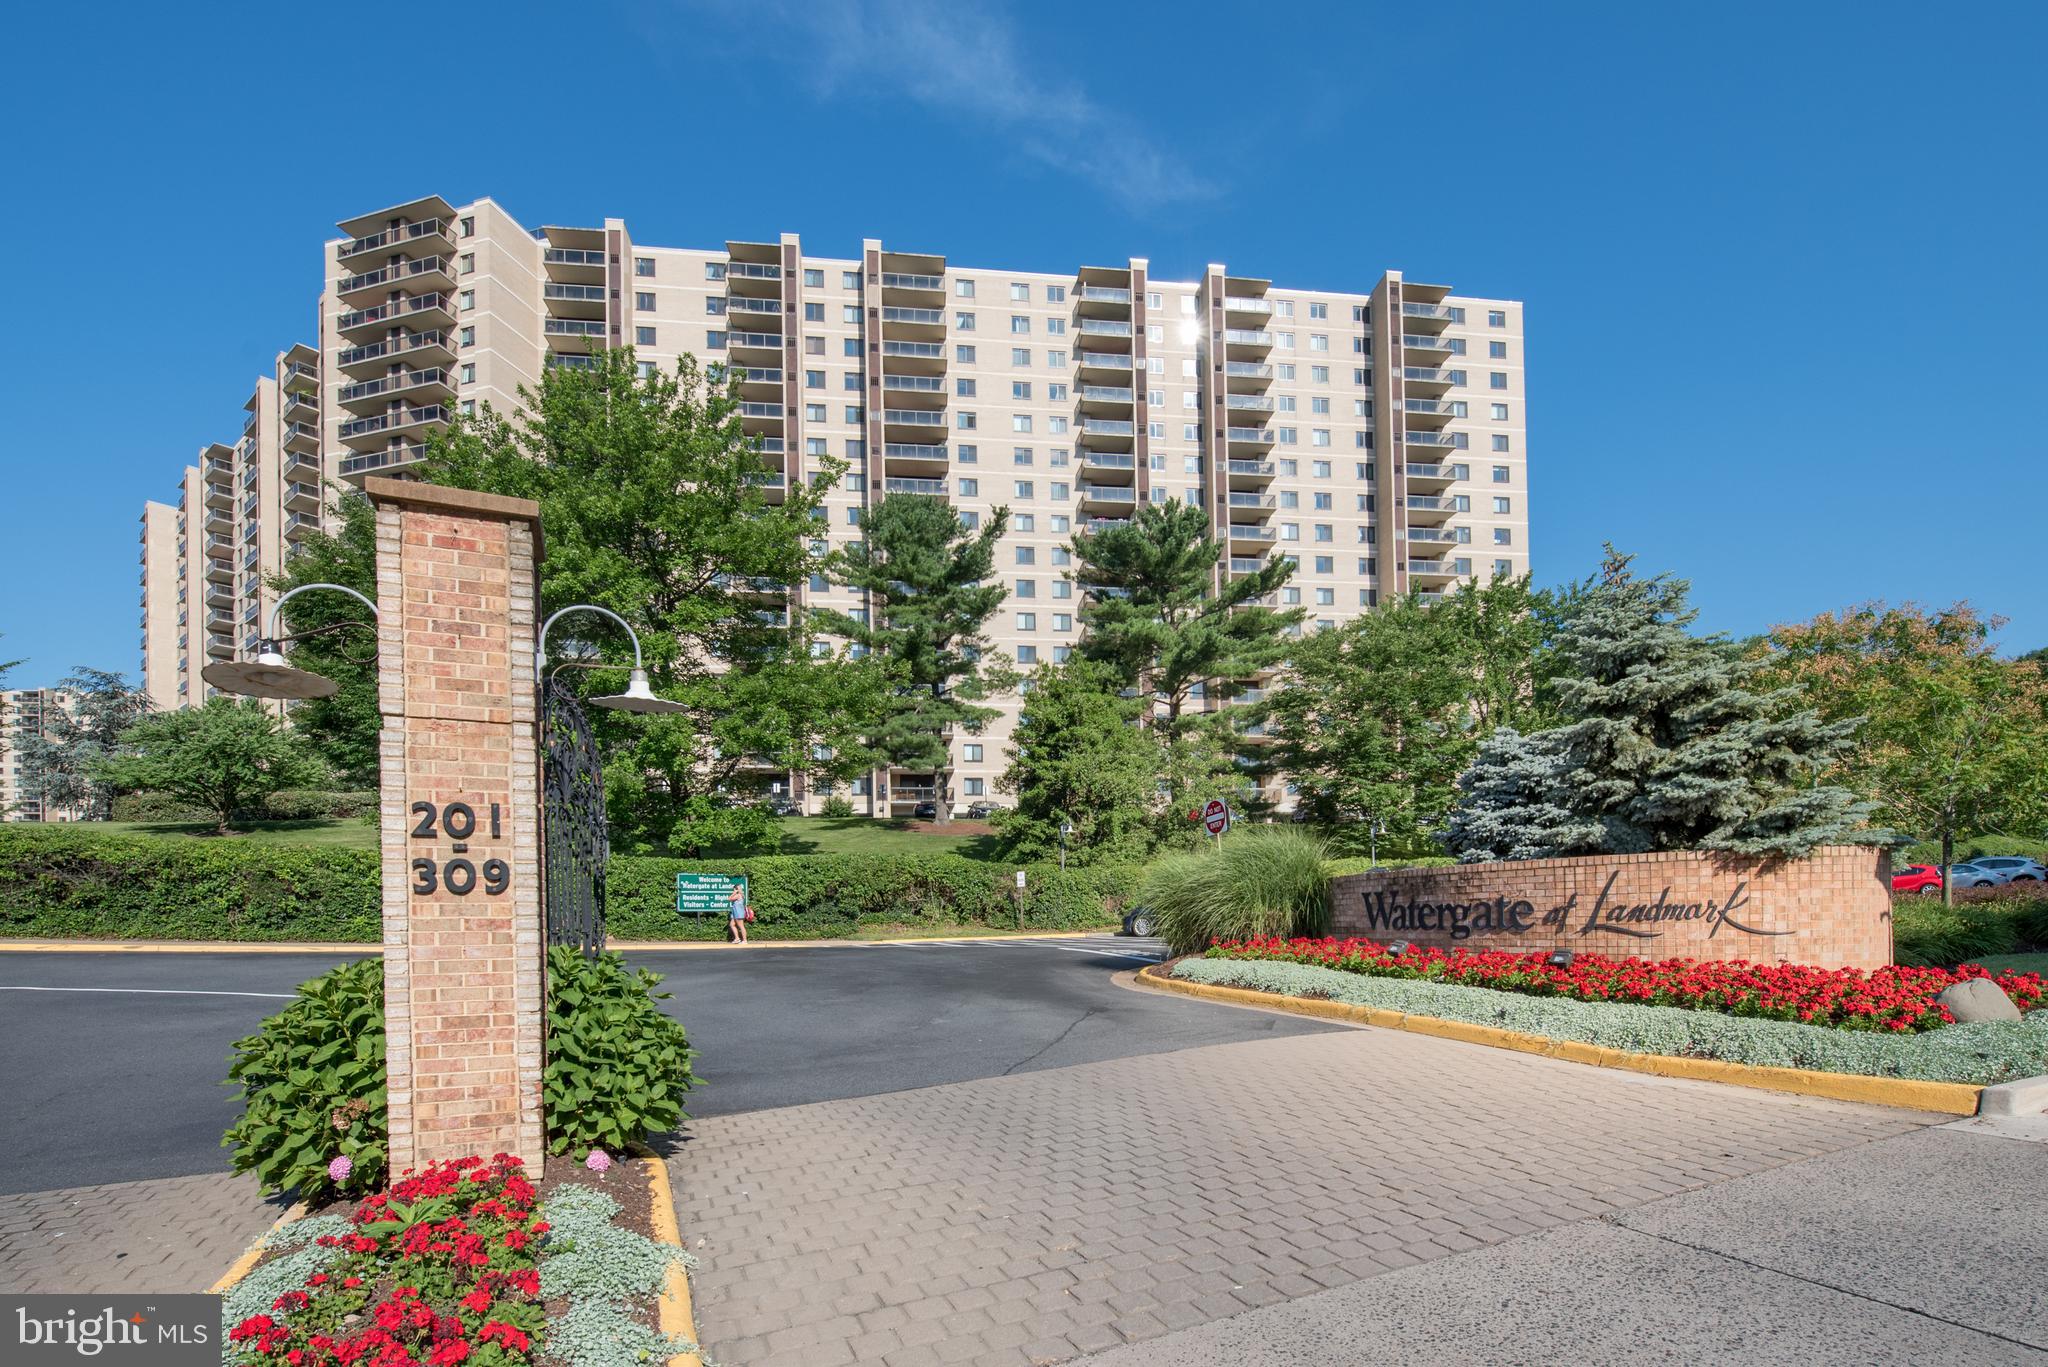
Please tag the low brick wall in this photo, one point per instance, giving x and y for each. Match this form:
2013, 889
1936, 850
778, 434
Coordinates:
1832, 909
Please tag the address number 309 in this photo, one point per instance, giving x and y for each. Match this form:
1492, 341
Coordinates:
459, 876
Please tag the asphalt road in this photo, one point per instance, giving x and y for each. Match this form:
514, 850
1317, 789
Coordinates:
112, 1063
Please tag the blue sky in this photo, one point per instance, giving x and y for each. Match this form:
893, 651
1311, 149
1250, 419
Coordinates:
1783, 264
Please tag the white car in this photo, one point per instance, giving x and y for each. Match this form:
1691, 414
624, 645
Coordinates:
2009, 869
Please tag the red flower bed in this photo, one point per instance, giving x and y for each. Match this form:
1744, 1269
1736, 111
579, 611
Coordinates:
438, 1271
1897, 999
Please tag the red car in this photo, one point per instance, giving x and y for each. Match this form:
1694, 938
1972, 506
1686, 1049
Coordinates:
1922, 878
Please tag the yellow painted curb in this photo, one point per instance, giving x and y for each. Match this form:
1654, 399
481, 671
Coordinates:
1948, 1098
245, 1264
677, 1315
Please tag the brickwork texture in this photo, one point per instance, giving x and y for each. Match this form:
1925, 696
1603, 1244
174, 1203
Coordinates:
1832, 909
463, 965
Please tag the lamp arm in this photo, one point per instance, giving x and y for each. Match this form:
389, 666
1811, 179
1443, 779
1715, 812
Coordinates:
540, 650
277, 609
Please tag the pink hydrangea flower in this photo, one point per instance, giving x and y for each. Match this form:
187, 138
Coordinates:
599, 1161
339, 1168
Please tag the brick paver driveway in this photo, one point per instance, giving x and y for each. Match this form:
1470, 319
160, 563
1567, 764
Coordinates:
175, 1234
1037, 1217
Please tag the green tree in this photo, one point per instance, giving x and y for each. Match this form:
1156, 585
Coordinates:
1952, 737
930, 586
1673, 741
222, 757
655, 503
1078, 758
62, 764
331, 634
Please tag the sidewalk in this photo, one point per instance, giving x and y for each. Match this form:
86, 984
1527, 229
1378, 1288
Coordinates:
172, 1234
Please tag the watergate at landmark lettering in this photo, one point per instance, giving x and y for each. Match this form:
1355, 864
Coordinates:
1388, 913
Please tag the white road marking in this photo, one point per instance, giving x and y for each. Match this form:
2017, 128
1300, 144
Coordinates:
153, 991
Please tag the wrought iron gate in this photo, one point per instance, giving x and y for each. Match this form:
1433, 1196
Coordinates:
572, 823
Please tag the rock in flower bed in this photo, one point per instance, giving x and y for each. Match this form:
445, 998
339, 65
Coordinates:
1980, 1053
465, 1262
1898, 999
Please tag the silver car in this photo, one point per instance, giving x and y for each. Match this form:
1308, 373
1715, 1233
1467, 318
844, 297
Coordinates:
1970, 876
2010, 869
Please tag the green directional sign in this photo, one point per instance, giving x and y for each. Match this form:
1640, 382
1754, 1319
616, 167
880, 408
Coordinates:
707, 894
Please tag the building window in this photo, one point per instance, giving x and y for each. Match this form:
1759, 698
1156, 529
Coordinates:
1500, 474
971, 752
468, 260
643, 301
1503, 569
467, 337
1020, 422
1502, 505
1024, 487
1500, 412
643, 266
963, 388
963, 289
469, 372
467, 299
964, 355
964, 421
469, 227
963, 322
714, 306
1497, 350
1027, 655
814, 346
1027, 621
714, 341
1027, 588
713, 270
1503, 536
814, 379
1500, 441
813, 279
1496, 318
814, 313
1497, 380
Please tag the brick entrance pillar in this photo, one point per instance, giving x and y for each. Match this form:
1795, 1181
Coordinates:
460, 808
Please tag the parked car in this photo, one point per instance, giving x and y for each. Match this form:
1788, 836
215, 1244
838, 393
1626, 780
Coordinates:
1921, 878
1970, 876
927, 811
2010, 869
1138, 921
980, 811
782, 806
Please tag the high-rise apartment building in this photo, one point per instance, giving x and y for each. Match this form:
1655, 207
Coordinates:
1375, 437
26, 713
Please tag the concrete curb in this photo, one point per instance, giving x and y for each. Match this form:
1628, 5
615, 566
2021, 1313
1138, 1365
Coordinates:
1948, 1098
2027, 1096
244, 1265
623, 946
678, 1316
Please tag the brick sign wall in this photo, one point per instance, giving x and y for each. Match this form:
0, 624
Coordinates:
460, 818
1833, 909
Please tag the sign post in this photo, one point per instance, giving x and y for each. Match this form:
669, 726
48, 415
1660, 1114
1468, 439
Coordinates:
701, 894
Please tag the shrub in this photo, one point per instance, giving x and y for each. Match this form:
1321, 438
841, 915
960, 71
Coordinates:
313, 1075
617, 1067
312, 804
1264, 882
1897, 999
836, 806
312, 1080
1980, 1053
56, 881
2005, 920
153, 807
1363, 864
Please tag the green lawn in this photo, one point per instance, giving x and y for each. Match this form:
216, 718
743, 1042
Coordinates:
2016, 963
349, 834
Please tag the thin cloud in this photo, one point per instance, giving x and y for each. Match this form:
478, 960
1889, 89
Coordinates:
959, 63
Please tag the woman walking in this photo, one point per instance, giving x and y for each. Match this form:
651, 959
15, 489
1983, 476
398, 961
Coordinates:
738, 913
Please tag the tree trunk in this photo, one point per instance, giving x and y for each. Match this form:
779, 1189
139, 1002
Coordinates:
1948, 850
942, 795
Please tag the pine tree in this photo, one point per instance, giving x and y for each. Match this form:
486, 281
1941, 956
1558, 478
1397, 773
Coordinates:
1671, 741
1079, 758
1514, 803
931, 586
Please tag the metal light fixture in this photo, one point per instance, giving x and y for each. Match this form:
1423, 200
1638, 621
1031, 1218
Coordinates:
1559, 958
1398, 948
270, 675
639, 696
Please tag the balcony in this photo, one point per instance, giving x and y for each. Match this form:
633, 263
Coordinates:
914, 288
1102, 327
1108, 460
1426, 379
300, 405
754, 378
1241, 305
219, 494
773, 484
1085, 361
1243, 567
1236, 340
1250, 471
935, 488
363, 432
739, 305
911, 454
573, 263
1251, 502
1107, 396
1253, 531
389, 458
430, 235
760, 279
220, 521
1103, 524
416, 309
220, 647
297, 525
1428, 317
1445, 536
417, 348
220, 592
1249, 403
1436, 570
369, 396
920, 358
757, 584
220, 569
902, 322
569, 300
769, 343
1112, 434
1428, 509
368, 286
1434, 477
1110, 496
921, 390
1101, 294
571, 327
914, 417
301, 437
1426, 347
1443, 441
1249, 436
302, 497
1246, 377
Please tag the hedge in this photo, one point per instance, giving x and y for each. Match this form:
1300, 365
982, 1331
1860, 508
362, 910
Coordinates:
1980, 1053
291, 804
62, 882
2007, 920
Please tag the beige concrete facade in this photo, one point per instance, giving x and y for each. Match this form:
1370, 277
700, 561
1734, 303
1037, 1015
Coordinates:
26, 713
1376, 435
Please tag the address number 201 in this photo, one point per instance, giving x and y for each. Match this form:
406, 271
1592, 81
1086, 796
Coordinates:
460, 876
